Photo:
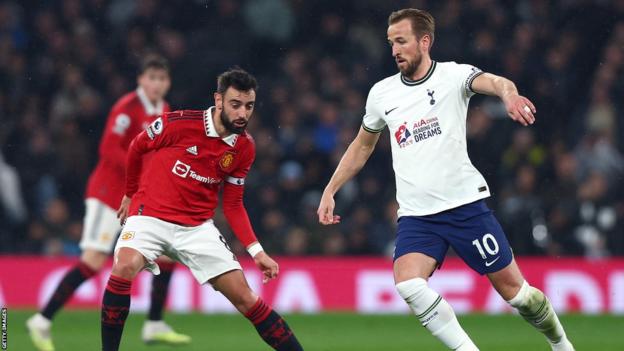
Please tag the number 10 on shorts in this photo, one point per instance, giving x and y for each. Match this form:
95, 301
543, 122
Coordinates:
487, 242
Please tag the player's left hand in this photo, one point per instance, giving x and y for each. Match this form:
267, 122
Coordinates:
520, 109
269, 268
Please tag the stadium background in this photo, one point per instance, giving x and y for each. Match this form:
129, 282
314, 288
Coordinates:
557, 186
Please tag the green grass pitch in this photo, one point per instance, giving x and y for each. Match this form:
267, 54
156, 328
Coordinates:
80, 330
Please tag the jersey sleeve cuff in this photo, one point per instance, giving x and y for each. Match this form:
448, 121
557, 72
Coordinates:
469, 83
254, 249
371, 130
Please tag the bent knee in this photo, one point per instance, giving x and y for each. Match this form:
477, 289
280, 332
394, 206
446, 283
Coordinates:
128, 263
126, 270
413, 265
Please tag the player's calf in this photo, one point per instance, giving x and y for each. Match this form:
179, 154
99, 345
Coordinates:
115, 308
64, 291
535, 308
435, 314
272, 327
155, 329
116, 300
39, 324
160, 290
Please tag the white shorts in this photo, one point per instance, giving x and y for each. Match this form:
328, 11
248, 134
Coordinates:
201, 248
100, 226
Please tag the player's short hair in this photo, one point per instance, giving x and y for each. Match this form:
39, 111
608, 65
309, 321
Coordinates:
154, 61
237, 78
422, 21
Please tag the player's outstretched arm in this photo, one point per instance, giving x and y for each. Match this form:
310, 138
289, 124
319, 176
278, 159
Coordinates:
519, 108
352, 161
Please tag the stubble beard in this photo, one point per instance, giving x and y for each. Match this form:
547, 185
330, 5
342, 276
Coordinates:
229, 124
411, 68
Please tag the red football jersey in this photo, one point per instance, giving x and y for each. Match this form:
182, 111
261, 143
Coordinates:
131, 114
189, 163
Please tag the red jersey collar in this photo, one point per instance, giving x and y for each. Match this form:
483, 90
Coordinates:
150, 109
211, 131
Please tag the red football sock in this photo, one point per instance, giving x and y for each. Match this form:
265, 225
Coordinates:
115, 307
272, 327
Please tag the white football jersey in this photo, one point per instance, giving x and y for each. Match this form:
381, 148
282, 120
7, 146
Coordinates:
427, 123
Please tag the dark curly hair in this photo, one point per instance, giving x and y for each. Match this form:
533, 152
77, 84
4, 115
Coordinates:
237, 78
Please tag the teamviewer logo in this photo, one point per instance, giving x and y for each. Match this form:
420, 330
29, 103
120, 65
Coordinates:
180, 169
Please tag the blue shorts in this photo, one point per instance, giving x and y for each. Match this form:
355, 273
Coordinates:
471, 230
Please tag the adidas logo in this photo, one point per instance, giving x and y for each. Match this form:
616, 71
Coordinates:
192, 150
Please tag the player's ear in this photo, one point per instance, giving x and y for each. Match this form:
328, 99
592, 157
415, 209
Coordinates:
218, 98
426, 42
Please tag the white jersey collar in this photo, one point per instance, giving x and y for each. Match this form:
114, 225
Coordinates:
211, 131
150, 108
410, 82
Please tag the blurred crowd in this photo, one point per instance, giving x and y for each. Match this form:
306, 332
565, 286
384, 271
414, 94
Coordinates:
557, 185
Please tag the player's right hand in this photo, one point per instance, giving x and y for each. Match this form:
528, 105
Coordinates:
269, 268
326, 210
122, 212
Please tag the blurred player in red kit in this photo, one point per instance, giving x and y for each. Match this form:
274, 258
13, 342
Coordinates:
194, 154
130, 115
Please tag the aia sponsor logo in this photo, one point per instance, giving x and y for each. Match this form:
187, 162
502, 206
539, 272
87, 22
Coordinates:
402, 134
420, 130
